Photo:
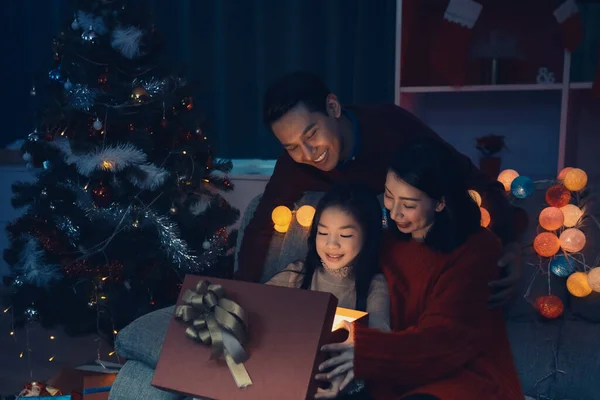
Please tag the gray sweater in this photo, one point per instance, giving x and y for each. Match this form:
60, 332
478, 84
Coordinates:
378, 301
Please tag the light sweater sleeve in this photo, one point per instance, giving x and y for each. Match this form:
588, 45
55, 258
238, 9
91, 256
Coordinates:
378, 304
291, 276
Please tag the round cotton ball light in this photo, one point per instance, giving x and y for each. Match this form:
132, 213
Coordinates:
572, 215
561, 266
282, 217
550, 306
551, 218
572, 240
594, 279
575, 179
475, 196
522, 187
563, 173
305, 215
486, 219
558, 196
546, 244
577, 284
507, 177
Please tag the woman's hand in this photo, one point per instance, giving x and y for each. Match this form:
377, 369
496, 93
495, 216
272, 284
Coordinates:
505, 288
342, 362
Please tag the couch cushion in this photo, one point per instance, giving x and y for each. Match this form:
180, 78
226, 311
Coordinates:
578, 359
533, 346
134, 382
142, 339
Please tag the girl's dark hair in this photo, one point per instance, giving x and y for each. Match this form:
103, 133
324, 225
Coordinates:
432, 167
361, 204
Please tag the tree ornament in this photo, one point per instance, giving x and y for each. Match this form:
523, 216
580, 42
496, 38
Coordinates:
75, 24
550, 306
103, 78
44, 193
97, 124
33, 136
186, 102
206, 245
54, 74
90, 35
68, 85
164, 123
102, 195
139, 94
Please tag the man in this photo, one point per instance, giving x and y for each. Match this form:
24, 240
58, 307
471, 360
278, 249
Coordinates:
327, 143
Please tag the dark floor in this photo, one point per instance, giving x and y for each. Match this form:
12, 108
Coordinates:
15, 370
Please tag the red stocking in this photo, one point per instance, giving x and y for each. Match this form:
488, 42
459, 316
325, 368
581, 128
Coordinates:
568, 17
450, 47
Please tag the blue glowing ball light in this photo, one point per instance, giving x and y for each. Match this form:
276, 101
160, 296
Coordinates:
522, 187
561, 266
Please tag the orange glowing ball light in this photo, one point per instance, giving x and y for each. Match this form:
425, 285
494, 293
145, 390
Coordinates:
486, 219
546, 244
305, 215
558, 196
551, 218
550, 306
575, 179
282, 217
577, 284
563, 173
594, 279
572, 215
506, 177
572, 240
475, 196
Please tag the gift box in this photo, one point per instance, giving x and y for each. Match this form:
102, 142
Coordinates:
83, 385
284, 329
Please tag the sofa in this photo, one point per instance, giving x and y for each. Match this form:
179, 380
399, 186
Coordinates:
557, 359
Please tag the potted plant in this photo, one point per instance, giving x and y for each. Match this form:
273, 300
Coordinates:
490, 146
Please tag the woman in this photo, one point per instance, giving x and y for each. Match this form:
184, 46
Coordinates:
445, 342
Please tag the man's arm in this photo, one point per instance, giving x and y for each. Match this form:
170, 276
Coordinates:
286, 186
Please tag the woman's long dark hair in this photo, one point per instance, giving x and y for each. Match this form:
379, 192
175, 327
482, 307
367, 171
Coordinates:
362, 205
432, 167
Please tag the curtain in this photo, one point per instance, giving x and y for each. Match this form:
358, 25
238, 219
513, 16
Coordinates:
584, 60
232, 49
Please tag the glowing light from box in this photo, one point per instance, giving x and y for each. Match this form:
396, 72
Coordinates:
572, 240
575, 179
577, 284
507, 177
522, 187
550, 306
561, 266
546, 244
551, 218
594, 279
486, 219
563, 173
305, 215
475, 196
558, 196
572, 215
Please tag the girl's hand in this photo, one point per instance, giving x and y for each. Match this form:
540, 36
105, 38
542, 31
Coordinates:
342, 362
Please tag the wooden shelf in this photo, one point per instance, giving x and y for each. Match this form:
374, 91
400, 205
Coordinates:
482, 88
581, 85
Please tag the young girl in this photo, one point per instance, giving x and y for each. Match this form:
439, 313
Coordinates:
343, 254
445, 342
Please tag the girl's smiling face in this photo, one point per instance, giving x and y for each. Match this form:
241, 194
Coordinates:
339, 238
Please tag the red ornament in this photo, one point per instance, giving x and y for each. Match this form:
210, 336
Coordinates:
164, 123
103, 78
558, 196
550, 306
102, 195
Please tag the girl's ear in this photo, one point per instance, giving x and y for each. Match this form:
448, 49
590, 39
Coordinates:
440, 205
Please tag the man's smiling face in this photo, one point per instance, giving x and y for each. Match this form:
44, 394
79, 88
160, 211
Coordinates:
311, 138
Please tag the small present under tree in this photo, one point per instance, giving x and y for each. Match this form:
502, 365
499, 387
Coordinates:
128, 195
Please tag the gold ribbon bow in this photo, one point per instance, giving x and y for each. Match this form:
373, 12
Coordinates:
218, 322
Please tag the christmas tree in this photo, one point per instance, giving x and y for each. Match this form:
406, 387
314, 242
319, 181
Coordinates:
127, 198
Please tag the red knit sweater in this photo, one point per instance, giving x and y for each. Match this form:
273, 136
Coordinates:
381, 130
444, 340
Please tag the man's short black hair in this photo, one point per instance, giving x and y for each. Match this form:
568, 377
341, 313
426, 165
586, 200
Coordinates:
290, 90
